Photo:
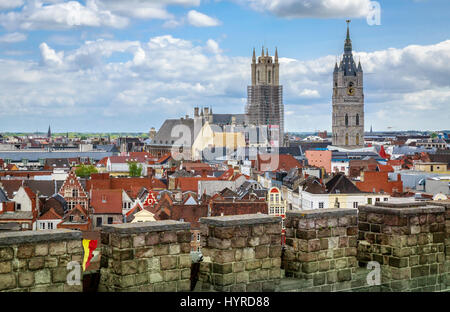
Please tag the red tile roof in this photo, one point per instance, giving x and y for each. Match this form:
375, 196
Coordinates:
107, 201
51, 214
190, 183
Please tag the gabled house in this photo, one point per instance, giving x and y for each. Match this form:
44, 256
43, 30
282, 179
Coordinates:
49, 220
73, 192
22, 210
76, 219
107, 207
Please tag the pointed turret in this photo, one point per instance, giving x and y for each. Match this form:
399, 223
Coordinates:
336, 68
262, 51
359, 66
348, 41
49, 133
276, 55
267, 52
254, 56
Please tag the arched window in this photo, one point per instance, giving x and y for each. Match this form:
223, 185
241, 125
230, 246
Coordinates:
268, 77
357, 138
357, 119
259, 80
346, 119
346, 139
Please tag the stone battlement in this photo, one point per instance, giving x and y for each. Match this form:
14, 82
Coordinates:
325, 250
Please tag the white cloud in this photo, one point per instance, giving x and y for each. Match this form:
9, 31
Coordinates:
132, 85
198, 19
212, 46
49, 56
311, 8
10, 4
13, 37
60, 15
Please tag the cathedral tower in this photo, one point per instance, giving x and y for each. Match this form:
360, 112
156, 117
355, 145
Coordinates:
348, 100
265, 96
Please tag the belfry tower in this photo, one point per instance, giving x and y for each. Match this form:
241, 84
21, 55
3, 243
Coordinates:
348, 100
265, 96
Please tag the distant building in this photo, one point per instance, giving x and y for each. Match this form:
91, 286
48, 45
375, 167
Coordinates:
265, 97
348, 100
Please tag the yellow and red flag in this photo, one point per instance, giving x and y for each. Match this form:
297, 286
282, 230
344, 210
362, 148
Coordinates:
89, 245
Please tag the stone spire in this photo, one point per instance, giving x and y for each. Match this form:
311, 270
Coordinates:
254, 56
262, 51
49, 132
276, 55
348, 41
267, 52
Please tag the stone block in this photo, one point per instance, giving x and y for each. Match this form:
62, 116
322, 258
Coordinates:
222, 268
224, 232
263, 251
25, 251
36, 263
162, 249
6, 253
252, 265
310, 267
57, 248
168, 237
42, 277
5, 267
41, 250
168, 262
152, 239
26, 279
59, 275
183, 285
74, 247
172, 275
242, 277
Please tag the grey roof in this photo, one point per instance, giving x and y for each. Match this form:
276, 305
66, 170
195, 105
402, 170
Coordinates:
57, 162
10, 226
3, 197
36, 155
111, 148
17, 215
164, 135
225, 119
411, 150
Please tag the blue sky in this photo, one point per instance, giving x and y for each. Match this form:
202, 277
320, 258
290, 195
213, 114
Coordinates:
111, 65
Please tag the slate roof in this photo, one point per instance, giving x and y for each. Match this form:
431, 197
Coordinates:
164, 135
340, 184
3, 197
17, 215
225, 119
36, 155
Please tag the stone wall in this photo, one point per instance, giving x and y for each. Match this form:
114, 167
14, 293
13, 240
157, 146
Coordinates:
241, 253
321, 247
408, 241
150, 256
37, 260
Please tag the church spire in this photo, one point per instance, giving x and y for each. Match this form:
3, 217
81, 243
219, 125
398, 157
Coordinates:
267, 52
348, 41
254, 56
49, 132
276, 55
262, 51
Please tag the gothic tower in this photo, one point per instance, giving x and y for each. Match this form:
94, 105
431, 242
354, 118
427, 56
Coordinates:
265, 96
348, 100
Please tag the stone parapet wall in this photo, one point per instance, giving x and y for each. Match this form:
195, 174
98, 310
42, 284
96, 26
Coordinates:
37, 260
407, 240
149, 256
446, 205
321, 247
241, 253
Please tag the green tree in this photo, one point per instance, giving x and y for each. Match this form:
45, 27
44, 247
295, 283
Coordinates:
434, 135
134, 170
85, 171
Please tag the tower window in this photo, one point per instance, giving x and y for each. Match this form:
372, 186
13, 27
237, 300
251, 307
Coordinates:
346, 119
269, 76
259, 80
357, 119
346, 139
357, 139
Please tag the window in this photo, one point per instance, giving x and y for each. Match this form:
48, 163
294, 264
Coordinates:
198, 237
110, 220
385, 199
50, 225
357, 139
42, 226
271, 210
259, 80
369, 201
355, 204
25, 226
346, 139
377, 199
277, 210
18, 206
321, 205
82, 218
99, 221
346, 119
269, 76
357, 119
71, 218
192, 236
74, 193
198, 248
